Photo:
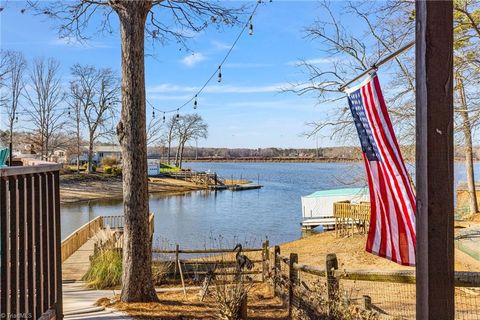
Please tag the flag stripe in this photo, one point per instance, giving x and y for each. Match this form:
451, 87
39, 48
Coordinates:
392, 198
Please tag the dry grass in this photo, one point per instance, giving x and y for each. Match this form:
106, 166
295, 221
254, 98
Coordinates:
351, 253
174, 305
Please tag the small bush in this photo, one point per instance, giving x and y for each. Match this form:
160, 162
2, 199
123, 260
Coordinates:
108, 169
85, 167
109, 161
117, 171
105, 270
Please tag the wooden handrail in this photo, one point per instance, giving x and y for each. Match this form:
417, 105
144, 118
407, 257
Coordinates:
78, 238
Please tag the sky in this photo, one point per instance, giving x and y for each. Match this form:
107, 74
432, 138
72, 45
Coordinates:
247, 109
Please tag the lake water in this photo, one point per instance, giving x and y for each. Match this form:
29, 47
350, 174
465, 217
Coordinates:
198, 219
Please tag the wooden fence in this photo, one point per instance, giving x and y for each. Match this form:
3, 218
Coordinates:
30, 274
199, 266
350, 217
288, 280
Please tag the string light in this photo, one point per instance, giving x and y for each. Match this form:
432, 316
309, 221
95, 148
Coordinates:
16, 119
218, 72
164, 117
153, 114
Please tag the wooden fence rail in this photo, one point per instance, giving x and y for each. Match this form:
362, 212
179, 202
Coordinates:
30, 270
286, 283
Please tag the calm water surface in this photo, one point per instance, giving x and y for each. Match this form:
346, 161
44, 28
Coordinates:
274, 211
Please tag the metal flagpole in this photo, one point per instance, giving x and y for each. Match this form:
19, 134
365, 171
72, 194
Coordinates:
375, 66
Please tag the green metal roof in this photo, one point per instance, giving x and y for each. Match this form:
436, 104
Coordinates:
339, 192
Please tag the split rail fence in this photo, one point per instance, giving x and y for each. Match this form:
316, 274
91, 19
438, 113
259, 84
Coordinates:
319, 292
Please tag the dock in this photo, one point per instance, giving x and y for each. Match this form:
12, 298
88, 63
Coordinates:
240, 187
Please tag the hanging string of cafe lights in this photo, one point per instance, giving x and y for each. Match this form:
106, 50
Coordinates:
217, 73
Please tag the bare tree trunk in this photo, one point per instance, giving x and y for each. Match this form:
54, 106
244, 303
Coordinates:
180, 161
131, 130
177, 154
467, 131
168, 151
78, 145
90, 155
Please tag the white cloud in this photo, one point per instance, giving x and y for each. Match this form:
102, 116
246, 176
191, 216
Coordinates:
314, 61
220, 45
193, 59
74, 42
171, 88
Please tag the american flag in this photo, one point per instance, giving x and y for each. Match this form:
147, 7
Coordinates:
392, 198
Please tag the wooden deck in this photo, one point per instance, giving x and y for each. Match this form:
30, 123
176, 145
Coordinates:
76, 266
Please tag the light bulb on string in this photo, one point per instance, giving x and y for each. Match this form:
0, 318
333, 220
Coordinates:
153, 114
219, 73
250, 27
178, 114
16, 119
195, 103
164, 117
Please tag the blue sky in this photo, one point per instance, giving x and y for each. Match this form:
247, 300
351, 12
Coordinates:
246, 109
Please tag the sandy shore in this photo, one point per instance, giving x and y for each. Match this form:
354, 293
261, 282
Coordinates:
75, 188
351, 253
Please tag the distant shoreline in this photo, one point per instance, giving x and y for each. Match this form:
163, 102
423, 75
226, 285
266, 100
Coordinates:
279, 160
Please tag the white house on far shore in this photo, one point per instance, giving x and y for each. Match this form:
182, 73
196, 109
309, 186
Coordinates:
99, 153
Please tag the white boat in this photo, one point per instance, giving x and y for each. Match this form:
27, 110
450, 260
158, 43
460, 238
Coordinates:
317, 208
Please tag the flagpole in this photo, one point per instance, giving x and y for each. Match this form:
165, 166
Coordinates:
375, 66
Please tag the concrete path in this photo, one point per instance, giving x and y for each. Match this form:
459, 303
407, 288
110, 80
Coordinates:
79, 303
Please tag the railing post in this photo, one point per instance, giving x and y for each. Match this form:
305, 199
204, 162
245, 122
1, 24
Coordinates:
292, 281
276, 268
332, 283
265, 258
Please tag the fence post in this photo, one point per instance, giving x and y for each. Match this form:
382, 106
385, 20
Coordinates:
243, 308
176, 260
265, 258
276, 268
367, 302
292, 281
332, 283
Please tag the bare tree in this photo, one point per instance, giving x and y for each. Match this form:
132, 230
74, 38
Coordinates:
154, 131
44, 97
171, 134
97, 92
161, 20
190, 127
14, 85
75, 112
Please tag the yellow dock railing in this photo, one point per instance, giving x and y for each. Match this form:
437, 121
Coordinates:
350, 217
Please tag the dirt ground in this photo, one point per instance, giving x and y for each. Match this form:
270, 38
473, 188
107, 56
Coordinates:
351, 253
84, 187
174, 305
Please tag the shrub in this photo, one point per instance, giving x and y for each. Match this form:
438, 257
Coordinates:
108, 169
117, 171
105, 269
109, 161
94, 167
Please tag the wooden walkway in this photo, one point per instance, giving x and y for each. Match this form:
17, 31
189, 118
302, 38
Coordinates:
75, 267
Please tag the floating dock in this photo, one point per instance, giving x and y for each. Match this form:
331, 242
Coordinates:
241, 187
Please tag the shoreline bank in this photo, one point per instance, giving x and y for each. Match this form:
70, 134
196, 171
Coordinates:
81, 188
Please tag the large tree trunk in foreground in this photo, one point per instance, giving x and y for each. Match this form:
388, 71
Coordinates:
132, 134
467, 131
